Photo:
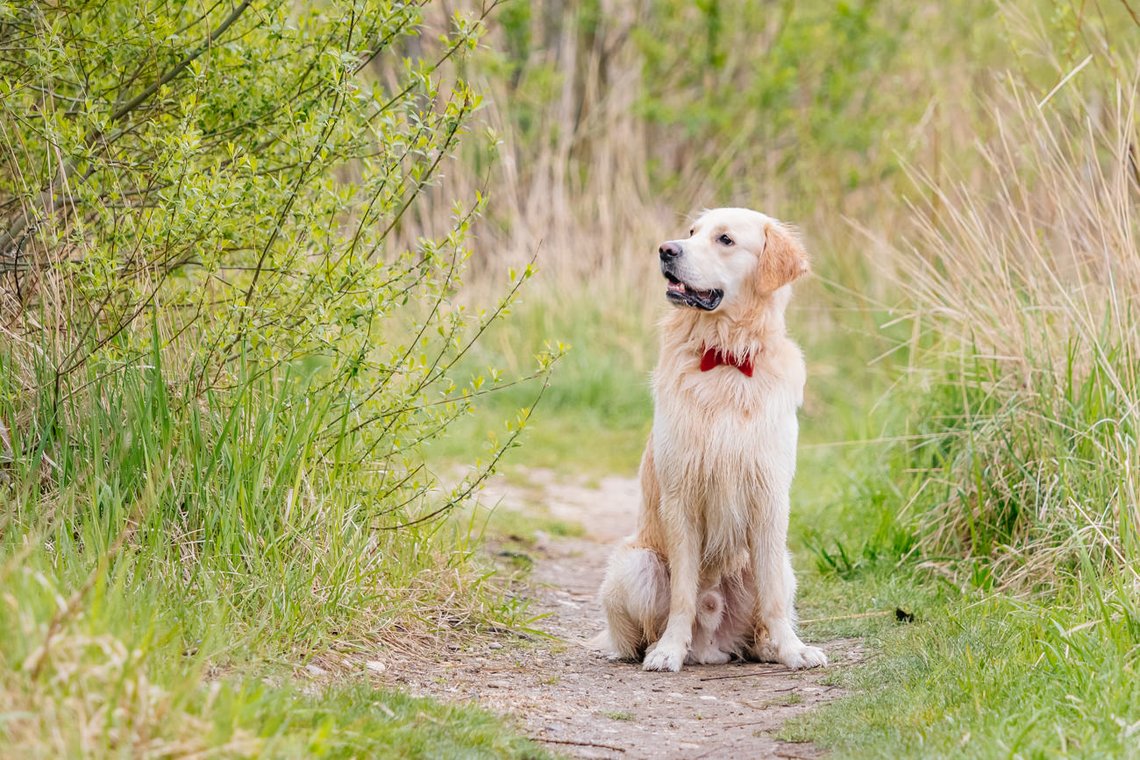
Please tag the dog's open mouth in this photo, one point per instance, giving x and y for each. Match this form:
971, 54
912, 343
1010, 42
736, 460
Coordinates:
681, 294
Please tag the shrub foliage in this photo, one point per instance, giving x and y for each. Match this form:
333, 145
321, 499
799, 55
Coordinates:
218, 359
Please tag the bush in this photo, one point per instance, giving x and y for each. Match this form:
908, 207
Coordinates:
223, 341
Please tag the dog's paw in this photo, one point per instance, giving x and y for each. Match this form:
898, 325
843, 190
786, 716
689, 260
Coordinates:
802, 656
762, 652
666, 658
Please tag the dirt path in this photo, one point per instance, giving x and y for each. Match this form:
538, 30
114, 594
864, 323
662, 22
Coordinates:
581, 705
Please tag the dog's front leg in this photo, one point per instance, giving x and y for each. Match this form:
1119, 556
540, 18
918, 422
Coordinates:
684, 580
776, 639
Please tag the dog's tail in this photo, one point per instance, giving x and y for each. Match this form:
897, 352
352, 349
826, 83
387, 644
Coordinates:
601, 642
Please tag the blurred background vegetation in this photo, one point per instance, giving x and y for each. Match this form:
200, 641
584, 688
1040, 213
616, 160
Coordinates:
263, 264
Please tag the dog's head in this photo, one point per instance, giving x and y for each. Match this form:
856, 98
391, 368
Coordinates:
732, 256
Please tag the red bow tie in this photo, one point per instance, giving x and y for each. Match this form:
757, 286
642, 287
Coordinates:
714, 357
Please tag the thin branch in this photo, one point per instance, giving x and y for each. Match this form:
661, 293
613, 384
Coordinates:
571, 743
179, 67
486, 473
753, 674
19, 223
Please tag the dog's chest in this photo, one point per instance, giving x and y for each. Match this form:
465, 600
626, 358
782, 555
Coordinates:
724, 433
720, 458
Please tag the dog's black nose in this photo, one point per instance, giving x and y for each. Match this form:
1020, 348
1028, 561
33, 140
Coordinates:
669, 250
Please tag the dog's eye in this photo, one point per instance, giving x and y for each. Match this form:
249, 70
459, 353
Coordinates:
691, 231
724, 240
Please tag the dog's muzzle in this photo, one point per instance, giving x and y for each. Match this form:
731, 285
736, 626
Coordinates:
678, 292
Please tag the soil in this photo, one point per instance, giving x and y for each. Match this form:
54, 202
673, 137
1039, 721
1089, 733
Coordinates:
577, 703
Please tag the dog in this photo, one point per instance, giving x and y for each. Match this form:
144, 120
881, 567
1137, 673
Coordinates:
707, 576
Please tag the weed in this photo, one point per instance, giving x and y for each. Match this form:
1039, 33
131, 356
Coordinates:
620, 715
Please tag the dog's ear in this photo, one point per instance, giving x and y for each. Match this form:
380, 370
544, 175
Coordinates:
784, 259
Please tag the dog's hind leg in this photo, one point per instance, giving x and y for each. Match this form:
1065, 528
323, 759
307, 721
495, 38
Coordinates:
635, 592
635, 597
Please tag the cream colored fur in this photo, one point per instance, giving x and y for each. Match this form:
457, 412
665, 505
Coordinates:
707, 575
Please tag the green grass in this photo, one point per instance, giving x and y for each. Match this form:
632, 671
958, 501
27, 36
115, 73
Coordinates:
984, 670
159, 556
106, 699
1006, 513
123, 678
983, 675
595, 415
506, 523
360, 721
981, 672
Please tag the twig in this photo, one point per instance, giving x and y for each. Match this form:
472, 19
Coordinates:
211, 39
753, 674
1079, 67
577, 744
19, 223
486, 472
1131, 12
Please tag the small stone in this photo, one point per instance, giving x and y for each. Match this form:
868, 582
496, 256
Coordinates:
541, 540
376, 666
315, 670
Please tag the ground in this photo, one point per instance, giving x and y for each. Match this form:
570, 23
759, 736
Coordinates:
581, 705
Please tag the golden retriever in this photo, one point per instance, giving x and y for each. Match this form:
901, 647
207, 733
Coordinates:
707, 575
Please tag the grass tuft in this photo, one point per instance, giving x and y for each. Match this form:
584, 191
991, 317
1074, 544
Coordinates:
1024, 289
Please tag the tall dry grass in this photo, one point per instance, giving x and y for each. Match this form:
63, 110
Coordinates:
1024, 282
613, 123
